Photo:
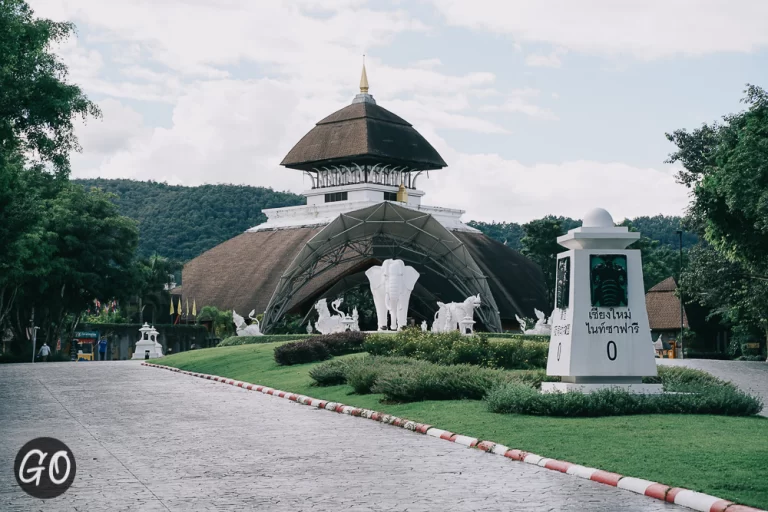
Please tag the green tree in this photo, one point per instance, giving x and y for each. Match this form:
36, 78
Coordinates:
91, 250
508, 233
37, 105
221, 321
728, 288
540, 245
725, 166
659, 261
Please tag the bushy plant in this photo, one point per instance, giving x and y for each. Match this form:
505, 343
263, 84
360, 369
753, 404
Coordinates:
517, 398
405, 379
330, 373
522, 337
453, 348
341, 343
299, 352
336, 344
687, 391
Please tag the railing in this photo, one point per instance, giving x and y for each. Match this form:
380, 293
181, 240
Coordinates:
378, 174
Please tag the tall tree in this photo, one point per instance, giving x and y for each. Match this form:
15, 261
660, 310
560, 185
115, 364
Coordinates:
91, 256
540, 245
37, 105
725, 164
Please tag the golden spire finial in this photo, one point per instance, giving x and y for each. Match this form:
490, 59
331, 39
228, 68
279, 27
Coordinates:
364, 79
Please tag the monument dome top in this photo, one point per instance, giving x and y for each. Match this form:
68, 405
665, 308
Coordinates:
597, 218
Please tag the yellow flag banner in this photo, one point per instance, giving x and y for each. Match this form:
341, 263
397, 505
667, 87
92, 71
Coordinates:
194, 308
187, 307
172, 311
179, 308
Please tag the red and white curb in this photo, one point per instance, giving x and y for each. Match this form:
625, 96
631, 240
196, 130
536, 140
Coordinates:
679, 496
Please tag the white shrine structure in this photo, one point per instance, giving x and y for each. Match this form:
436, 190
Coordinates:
148, 347
600, 333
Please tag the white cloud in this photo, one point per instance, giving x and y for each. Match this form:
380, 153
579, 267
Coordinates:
646, 29
222, 132
551, 60
490, 187
520, 101
118, 129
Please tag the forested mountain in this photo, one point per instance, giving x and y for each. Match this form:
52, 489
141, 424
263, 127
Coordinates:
659, 227
182, 222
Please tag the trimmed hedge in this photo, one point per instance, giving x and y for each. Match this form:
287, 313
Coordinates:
300, 352
516, 336
404, 379
267, 338
687, 391
453, 348
319, 348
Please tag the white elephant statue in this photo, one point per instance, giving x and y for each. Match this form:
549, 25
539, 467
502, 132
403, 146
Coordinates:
391, 287
243, 329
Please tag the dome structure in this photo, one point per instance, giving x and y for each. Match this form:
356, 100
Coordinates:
597, 218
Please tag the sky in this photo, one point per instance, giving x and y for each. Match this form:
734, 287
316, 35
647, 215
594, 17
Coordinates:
546, 107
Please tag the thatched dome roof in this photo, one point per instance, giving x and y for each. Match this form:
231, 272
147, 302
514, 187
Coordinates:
363, 133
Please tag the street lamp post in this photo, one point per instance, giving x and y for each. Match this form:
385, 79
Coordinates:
680, 287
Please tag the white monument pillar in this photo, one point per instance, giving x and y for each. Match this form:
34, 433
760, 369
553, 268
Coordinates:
600, 334
148, 347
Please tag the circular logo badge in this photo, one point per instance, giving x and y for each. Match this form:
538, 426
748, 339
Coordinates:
45, 467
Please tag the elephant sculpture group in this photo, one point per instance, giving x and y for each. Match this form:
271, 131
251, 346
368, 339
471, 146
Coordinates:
391, 287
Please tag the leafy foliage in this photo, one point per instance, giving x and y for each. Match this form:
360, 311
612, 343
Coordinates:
724, 165
508, 233
300, 352
37, 105
521, 399
453, 348
222, 323
727, 287
319, 348
182, 222
540, 245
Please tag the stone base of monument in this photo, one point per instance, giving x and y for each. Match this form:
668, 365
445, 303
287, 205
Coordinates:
591, 384
154, 348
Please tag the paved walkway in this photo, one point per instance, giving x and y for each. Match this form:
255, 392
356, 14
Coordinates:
152, 440
751, 376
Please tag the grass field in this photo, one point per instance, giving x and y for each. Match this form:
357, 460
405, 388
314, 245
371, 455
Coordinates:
723, 456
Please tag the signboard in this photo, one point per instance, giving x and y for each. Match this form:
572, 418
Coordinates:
86, 334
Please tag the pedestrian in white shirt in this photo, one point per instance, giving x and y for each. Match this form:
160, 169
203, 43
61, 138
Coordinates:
45, 351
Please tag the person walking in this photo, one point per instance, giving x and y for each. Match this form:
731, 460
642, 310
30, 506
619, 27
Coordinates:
45, 350
103, 349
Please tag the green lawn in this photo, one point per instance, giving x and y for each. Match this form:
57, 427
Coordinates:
723, 456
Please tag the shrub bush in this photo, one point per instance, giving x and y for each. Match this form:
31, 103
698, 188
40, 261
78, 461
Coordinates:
680, 378
453, 348
689, 391
330, 373
522, 337
404, 379
341, 343
267, 338
306, 351
300, 352
522, 399
750, 358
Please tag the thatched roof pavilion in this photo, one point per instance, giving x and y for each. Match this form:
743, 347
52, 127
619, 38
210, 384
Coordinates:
363, 208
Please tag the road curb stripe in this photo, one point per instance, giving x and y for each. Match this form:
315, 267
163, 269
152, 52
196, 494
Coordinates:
679, 496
